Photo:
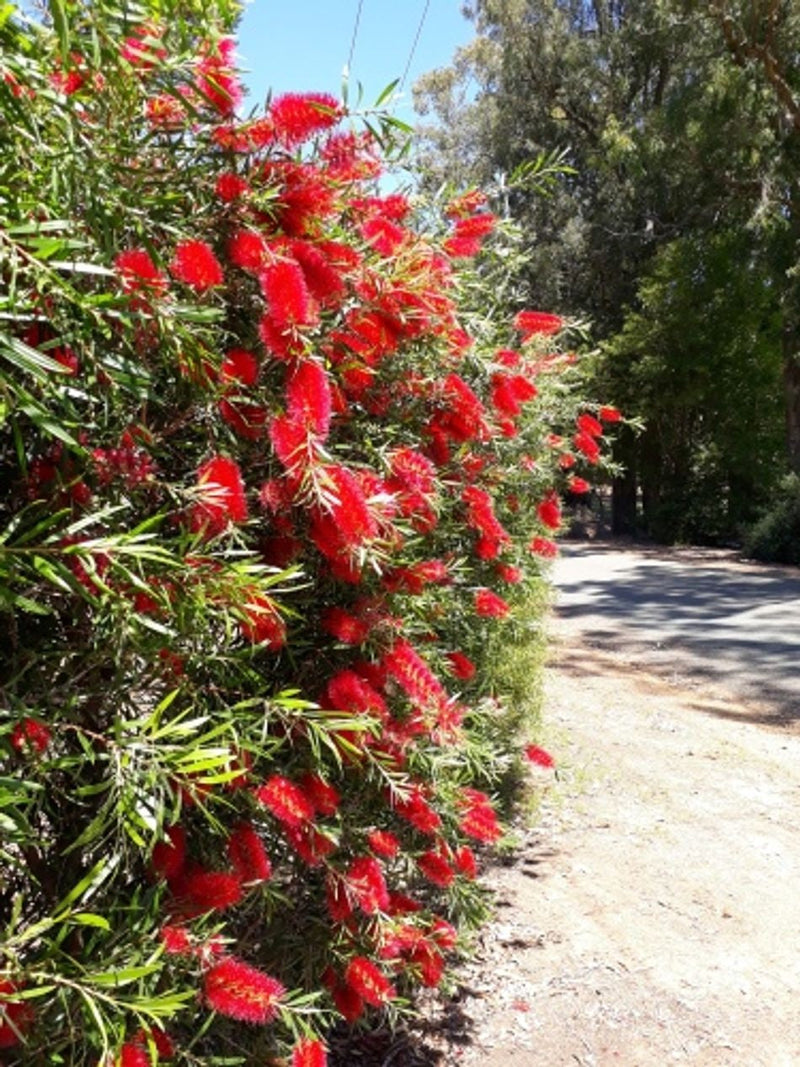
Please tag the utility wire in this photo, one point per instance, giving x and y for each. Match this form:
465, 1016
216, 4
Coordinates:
414, 45
354, 37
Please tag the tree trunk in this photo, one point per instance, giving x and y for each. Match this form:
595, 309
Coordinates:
623, 488
791, 388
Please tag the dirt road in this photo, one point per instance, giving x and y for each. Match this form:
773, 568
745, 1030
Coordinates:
653, 915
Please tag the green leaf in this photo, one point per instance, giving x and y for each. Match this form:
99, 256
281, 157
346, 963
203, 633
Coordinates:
89, 918
387, 92
124, 976
59, 16
88, 885
30, 359
77, 267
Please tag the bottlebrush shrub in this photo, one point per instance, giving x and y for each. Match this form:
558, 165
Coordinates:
274, 487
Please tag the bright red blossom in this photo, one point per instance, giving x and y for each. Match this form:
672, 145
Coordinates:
242, 992
138, 273
285, 800
541, 757
220, 498
490, 605
297, 116
369, 983
196, 265
248, 854
309, 1052
31, 736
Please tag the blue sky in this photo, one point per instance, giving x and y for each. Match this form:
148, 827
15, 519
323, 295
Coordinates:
303, 45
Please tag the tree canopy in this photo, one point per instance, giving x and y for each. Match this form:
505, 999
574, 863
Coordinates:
679, 124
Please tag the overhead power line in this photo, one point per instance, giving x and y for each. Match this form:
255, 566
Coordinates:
354, 38
417, 36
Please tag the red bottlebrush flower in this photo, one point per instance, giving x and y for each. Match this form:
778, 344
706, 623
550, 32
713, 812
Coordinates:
165, 111
169, 857
247, 420
263, 624
610, 414
216, 79
160, 1038
291, 443
549, 511
374, 673
138, 273
479, 820
297, 116
324, 281
239, 366
508, 573
462, 665
286, 292
566, 460
16, 1016
531, 323
466, 203
322, 794
31, 736
444, 933
385, 236
285, 800
247, 250
279, 341
366, 979
230, 187
337, 898
308, 398
476, 225
348, 691
544, 547
349, 520
490, 605
401, 904
588, 424
133, 1055
242, 992
416, 810
464, 418
414, 675
310, 844
309, 1052
430, 963
348, 1003
436, 869
462, 247
481, 517
67, 82
540, 756
248, 854
578, 485
465, 862
221, 497
196, 265
366, 883
383, 843
585, 443
507, 357
211, 890
414, 473
344, 626
176, 940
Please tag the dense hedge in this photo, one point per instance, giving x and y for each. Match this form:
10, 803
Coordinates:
274, 482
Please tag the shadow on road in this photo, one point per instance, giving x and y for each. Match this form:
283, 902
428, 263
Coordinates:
681, 614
